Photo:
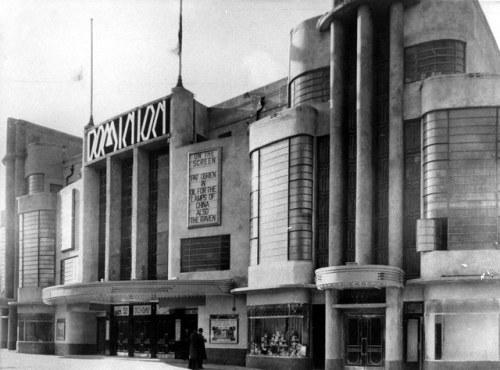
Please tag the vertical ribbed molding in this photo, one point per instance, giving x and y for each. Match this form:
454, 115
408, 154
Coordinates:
113, 218
364, 145
140, 214
394, 311
89, 238
334, 351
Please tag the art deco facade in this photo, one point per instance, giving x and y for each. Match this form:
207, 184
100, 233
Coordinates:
344, 217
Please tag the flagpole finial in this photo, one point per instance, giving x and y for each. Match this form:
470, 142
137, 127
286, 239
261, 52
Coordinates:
179, 47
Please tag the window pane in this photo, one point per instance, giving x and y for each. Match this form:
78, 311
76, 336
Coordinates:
205, 253
434, 58
35, 183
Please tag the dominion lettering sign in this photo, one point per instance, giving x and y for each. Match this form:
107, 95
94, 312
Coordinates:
137, 126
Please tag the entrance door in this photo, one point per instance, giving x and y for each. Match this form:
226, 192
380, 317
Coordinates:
414, 338
364, 342
101, 335
142, 338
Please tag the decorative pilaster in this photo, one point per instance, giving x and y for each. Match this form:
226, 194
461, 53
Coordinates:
337, 229
364, 148
394, 312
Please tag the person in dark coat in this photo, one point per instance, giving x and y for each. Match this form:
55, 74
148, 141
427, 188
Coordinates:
197, 351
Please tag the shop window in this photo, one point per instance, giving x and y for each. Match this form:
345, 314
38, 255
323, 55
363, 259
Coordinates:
434, 58
35, 329
279, 330
206, 253
35, 183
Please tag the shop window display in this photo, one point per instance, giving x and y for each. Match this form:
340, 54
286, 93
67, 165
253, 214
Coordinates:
279, 330
35, 331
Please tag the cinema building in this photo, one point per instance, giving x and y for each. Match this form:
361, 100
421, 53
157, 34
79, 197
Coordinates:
344, 217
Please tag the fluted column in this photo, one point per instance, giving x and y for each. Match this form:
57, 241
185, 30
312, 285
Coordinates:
336, 231
396, 143
10, 230
394, 313
19, 191
364, 144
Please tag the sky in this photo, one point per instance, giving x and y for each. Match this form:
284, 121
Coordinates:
229, 47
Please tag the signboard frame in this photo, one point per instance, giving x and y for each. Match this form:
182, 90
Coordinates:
61, 329
230, 321
121, 311
194, 191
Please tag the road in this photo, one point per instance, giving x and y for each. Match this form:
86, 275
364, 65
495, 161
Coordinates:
10, 360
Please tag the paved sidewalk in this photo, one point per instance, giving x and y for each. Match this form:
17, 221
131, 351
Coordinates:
10, 360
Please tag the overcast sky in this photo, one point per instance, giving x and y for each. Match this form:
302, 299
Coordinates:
229, 47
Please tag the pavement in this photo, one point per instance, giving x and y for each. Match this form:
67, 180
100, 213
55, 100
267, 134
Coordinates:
10, 360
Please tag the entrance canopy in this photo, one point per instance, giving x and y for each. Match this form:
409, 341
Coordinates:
115, 292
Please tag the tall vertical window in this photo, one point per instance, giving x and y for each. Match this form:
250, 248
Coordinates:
434, 58
68, 270
300, 198
254, 209
411, 208
37, 242
126, 218
322, 200
35, 183
281, 211
102, 223
158, 208
70, 210
460, 175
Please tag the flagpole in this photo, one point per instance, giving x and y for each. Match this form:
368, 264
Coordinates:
179, 80
91, 120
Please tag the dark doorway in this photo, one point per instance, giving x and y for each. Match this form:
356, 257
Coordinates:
318, 335
101, 335
413, 335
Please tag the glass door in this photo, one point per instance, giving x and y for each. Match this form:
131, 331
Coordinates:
142, 338
122, 339
365, 341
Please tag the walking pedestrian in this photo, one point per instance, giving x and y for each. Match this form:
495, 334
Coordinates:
203, 352
197, 352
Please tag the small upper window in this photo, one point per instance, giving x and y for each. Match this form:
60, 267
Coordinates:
55, 188
206, 253
35, 183
434, 58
